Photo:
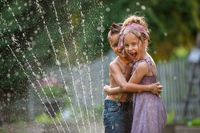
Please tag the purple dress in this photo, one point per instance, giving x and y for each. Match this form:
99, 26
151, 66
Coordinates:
149, 114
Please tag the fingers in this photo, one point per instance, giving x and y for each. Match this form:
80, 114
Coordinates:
106, 86
158, 90
159, 86
157, 83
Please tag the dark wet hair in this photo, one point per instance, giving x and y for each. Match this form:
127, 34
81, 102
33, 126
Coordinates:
115, 28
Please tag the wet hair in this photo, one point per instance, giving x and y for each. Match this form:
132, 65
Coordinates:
115, 28
138, 20
135, 19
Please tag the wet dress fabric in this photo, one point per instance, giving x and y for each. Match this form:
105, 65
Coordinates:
149, 115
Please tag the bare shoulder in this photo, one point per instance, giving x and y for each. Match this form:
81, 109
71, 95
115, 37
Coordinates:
113, 64
142, 66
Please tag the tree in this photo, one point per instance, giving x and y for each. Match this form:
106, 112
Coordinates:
173, 23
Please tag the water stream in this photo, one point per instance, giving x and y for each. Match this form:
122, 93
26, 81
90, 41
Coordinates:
82, 109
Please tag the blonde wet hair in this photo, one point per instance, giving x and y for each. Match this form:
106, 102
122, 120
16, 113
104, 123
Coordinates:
138, 20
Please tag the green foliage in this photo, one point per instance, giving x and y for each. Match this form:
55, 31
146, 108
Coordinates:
181, 52
46, 119
173, 23
19, 22
98, 111
35, 34
58, 92
194, 122
170, 117
3, 130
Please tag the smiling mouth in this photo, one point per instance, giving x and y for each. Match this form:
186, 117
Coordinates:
133, 54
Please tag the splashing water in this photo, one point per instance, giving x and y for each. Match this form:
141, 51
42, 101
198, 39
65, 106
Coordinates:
79, 77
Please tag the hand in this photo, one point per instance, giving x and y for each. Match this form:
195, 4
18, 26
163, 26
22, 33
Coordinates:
157, 88
106, 89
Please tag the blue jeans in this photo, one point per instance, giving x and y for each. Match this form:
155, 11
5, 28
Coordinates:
117, 117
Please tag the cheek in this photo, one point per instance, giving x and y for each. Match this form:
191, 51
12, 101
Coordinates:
125, 49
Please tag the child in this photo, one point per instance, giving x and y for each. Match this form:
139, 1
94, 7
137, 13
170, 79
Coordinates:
149, 115
118, 107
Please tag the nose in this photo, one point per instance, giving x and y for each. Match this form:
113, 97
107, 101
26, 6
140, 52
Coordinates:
130, 48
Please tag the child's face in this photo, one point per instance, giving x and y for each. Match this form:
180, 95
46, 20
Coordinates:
133, 47
114, 43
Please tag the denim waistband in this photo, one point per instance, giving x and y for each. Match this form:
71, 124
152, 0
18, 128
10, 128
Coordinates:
109, 103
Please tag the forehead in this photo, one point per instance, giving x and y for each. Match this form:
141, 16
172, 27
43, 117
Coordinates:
114, 38
130, 37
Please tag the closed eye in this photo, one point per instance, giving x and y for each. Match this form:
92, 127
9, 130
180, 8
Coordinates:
114, 45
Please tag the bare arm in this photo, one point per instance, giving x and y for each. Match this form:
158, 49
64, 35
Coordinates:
130, 86
138, 75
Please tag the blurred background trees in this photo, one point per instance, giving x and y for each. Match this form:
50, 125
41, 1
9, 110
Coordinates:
173, 24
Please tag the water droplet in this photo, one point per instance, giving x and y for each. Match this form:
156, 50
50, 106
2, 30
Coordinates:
17, 50
28, 18
101, 28
34, 74
8, 99
38, 76
98, 28
84, 53
35, 31
175, 77
38, 63
127, 9
8, 95
31, 38
16, 73
58, 62
137, 3
107, 9
143, 7
29, 48
66, 88
33, 85
8, 75
23, 108
10, 23
64, 61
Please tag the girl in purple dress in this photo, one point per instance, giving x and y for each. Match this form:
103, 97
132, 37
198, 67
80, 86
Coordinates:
149, 115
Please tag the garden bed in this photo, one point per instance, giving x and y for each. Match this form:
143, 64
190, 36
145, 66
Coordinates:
186, 129
181, 129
